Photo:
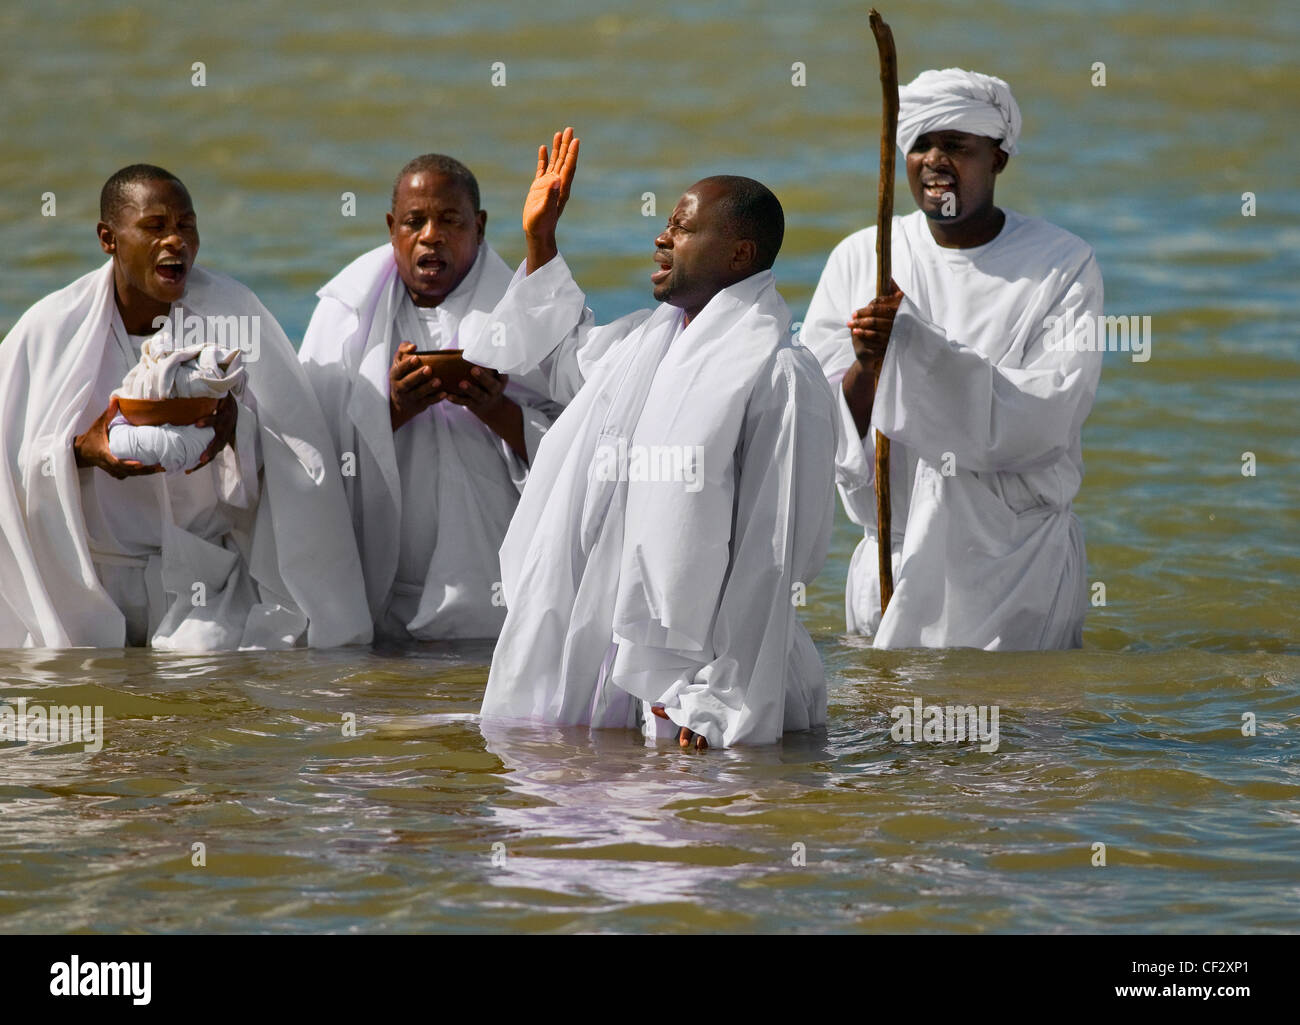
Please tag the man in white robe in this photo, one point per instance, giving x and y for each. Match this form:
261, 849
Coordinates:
987, 369
682, 503
432, 470
251, 548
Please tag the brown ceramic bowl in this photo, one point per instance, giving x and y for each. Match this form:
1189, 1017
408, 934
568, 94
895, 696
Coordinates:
157, 412
450, 366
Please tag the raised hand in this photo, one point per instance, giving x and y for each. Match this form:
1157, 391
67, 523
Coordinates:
91, 449
547, 197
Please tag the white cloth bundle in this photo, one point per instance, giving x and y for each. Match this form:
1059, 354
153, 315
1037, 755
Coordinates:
195, 372
961, 101
165, 372
172, 447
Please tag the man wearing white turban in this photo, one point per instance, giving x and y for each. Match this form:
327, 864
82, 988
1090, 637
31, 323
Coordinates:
982, 402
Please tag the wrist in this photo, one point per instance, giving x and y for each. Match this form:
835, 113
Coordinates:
541, 250
863, 371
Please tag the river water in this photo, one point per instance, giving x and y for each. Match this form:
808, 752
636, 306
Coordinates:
427, 821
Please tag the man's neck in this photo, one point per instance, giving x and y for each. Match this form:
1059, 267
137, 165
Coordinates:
969, 233
689, 315
138, 312
422, 303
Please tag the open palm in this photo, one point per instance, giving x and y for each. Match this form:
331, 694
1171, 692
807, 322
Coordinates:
549, 192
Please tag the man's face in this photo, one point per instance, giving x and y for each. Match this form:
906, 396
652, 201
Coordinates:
436, 234
696, 253
154, 240
957, 165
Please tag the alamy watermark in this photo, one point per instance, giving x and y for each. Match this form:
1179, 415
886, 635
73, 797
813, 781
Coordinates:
235, 331
75, 978
666, 464
59, 724
946, 724
1099, 334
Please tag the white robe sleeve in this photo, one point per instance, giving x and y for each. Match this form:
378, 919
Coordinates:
543, 322
538, 416
938, 395
765, 676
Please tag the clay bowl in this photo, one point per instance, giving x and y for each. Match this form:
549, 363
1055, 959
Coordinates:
157, 412
449, 365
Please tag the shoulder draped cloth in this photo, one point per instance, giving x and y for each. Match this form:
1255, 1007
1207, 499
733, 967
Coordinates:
347, 353
299, 551
649, 565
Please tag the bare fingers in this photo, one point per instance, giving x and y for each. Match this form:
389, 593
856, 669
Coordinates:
567, 172
404, 360
410, 374
428, 392
685, 737
135, 468
481, 388
492, 384
558, 146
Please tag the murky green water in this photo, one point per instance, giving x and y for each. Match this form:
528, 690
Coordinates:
1135, 742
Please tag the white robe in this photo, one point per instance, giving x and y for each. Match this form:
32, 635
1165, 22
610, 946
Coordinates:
430, 503
677, 593
988, 555
235, 555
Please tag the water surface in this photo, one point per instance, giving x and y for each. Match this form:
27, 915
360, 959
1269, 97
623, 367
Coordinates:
1134, 742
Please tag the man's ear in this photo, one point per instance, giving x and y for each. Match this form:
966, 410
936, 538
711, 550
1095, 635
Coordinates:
481, 217
1000, 158
107, 240
388, 218
743, 254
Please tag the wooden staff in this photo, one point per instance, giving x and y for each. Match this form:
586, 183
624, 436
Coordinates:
884, 224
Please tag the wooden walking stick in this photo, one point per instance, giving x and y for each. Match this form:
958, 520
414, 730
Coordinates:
884, 222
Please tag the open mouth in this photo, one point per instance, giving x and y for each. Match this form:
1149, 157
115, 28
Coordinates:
171, 269
937, 188
430, 265
665, 268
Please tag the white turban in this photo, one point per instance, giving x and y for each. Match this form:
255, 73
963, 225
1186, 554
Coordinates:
961, 101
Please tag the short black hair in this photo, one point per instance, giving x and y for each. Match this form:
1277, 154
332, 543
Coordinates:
113, 196
437, 163
752, 211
